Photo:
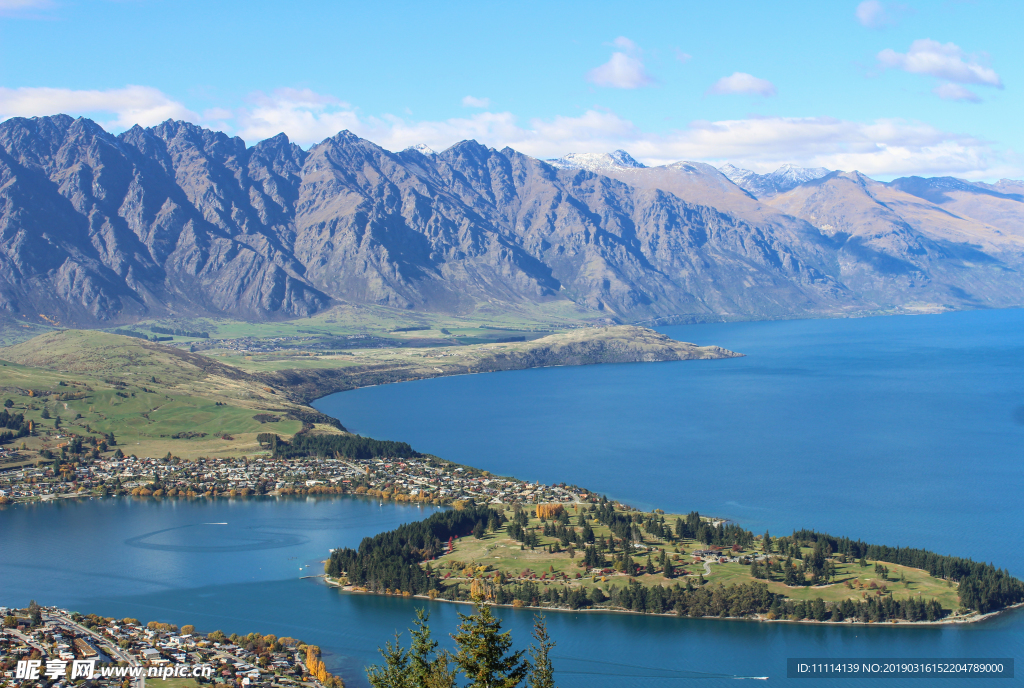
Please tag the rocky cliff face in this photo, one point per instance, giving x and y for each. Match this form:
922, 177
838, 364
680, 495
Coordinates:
180, 220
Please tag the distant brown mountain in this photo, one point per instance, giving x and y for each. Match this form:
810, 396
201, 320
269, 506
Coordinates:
97, 229
897, 247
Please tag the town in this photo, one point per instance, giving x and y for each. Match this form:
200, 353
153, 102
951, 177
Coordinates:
47, 644
425, 479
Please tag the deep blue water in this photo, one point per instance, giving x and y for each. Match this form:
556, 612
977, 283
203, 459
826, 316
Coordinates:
899, 430
905, 430
171, 561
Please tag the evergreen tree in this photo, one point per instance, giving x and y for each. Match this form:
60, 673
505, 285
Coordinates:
422, 650
541, 670
35, 614
766, 542
394, 673
484, 654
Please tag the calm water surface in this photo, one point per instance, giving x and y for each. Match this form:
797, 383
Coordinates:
904, 430
899, 430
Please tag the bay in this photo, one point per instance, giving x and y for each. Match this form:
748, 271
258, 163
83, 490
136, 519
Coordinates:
903, 430
172, 561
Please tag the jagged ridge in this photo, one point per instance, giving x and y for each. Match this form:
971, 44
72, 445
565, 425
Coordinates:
97, 229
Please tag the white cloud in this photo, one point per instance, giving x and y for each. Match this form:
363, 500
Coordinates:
872, 14
306, 116
17, 6
948, 91
883, 147
740, 82
681, 56
130, 105
623, 70
944, 61
470, 101
886, 147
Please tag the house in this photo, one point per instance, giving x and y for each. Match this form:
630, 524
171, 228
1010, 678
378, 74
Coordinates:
85, 649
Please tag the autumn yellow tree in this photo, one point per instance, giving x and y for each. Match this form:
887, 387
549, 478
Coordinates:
550, 510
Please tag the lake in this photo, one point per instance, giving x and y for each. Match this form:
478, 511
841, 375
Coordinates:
901, 430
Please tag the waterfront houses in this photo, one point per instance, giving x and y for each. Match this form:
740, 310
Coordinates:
424, 479
56, 641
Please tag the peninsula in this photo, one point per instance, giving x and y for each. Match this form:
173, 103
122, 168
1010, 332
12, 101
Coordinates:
593, 553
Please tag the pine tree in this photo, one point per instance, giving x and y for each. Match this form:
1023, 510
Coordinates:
484, 652
423, 646
425, 670
394, 673
541, 671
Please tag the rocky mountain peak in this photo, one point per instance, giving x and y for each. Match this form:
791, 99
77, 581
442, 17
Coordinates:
104, 230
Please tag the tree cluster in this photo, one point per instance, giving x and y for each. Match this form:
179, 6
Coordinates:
348, 446
982, 587
484, 657
14, 422
391, 560
179, 332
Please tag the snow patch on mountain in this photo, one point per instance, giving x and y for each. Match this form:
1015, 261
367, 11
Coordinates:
781, 180
422, 148
595, 162
698, 168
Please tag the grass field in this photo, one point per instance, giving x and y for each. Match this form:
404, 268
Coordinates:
150, 395
98, 383
174, 682
499, 552
400, 325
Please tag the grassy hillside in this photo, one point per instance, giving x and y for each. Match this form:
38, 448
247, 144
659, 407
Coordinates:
215, 400
334, 328
155, 399
497, 551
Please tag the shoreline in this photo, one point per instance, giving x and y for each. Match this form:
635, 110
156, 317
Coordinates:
972, 619
951, 621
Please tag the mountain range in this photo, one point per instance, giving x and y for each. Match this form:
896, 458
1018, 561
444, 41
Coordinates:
178, 220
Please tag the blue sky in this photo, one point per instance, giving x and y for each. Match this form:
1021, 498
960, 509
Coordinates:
887, 88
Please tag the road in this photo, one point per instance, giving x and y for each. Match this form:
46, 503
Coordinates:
105, 643
25, 639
